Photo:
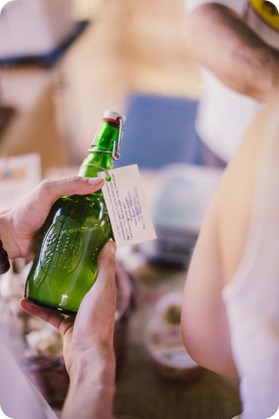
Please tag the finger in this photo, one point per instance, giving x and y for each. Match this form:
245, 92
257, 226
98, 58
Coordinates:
106, 273
59, 321
49, 191
40, 200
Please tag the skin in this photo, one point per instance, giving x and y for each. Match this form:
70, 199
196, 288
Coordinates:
225, 45
88, 344
237, 56
220, 248
87, 338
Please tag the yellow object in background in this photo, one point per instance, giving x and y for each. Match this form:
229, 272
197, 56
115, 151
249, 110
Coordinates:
268, 11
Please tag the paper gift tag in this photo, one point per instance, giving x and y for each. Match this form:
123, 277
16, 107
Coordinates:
127, 206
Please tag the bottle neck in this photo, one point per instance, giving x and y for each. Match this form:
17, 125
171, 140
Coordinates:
101, 154
107, 136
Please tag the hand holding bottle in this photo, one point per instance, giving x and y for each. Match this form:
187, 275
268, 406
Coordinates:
20, 226
88, 337
88, 344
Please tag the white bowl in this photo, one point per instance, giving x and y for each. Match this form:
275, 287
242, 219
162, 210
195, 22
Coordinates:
164, 342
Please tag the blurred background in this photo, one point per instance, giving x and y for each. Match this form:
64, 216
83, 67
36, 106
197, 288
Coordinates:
64, 62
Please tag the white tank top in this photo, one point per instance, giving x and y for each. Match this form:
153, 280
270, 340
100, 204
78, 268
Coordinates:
252, 298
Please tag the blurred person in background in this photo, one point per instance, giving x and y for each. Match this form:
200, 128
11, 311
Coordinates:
87, 338
236, 43
230, 316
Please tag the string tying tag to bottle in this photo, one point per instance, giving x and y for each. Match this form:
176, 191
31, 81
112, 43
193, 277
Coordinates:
107, 178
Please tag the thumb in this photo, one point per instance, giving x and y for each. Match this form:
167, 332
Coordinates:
105, 282
106, 263
99, 304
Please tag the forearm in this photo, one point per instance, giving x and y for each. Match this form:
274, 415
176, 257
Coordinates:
91, 402
91, 391
224, 44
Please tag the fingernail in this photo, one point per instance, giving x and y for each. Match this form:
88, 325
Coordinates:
94, 180
111, 247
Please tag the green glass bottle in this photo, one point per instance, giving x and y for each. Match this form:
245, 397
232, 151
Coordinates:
75, 231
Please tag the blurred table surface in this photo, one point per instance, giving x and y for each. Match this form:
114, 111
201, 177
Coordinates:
140, 391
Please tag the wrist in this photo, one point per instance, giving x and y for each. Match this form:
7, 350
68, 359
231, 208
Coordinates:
275, 73
4, 257
4, 260
80, 372
6, 236
269, 73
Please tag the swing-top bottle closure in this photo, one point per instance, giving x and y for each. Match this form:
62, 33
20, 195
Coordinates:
115, 118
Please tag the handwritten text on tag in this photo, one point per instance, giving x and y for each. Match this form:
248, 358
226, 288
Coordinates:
127, 206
